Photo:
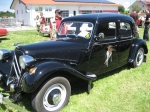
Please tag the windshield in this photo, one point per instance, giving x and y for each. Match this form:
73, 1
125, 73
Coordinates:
80, 29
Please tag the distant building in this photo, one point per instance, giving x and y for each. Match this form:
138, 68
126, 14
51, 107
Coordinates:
26, 10
143, 4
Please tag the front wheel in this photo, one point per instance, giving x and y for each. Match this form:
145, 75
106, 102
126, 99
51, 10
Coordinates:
139, 58
52, 96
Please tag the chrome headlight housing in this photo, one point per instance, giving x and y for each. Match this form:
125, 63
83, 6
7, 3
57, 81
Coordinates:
4, 54
25, 60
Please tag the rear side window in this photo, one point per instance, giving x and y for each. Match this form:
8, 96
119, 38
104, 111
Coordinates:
125, 30
108, 29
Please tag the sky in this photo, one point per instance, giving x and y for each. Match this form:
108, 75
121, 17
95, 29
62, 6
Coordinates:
5, 4
125, 3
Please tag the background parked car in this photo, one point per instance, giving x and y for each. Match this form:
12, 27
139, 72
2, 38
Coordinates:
45, 30
3, 32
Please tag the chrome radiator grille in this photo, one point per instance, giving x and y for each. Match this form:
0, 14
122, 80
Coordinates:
16, 65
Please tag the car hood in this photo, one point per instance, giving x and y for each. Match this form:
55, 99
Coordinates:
62, 50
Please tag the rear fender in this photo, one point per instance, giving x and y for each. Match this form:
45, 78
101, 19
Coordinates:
31, 82
134, 48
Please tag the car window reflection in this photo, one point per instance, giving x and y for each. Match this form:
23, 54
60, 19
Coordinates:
81, 29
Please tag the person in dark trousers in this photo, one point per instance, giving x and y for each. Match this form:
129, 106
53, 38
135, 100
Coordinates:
54, 25
147, 25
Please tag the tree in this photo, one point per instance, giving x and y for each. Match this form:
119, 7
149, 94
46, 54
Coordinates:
136, 7
121, 9
126, 12
7, 14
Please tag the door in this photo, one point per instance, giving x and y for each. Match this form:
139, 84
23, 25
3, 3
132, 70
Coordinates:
104, 53
125, 41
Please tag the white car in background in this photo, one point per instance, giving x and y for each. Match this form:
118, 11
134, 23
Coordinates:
45, 30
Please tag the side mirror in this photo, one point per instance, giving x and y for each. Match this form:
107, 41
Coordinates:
100, 36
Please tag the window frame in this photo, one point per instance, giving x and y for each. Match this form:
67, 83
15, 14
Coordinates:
104, 39
65, 13
36, 9
47, 9
131, 30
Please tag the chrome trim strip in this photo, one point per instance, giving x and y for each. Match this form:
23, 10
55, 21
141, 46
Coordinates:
17, 63
101, 42
16, 71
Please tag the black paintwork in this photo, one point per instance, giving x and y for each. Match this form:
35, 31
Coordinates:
74, 56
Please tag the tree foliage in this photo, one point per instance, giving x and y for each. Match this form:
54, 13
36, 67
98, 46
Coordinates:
121, 9
136, 7
7, 14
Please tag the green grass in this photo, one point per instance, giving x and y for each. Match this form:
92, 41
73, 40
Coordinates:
123, 90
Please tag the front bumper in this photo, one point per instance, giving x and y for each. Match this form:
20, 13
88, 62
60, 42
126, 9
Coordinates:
43, 32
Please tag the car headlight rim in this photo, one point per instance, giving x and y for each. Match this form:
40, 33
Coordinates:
25, 60
4, 53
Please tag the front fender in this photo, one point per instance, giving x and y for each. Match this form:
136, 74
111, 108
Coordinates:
134, 48
31, 82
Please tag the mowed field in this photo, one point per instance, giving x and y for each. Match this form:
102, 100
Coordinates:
123, 90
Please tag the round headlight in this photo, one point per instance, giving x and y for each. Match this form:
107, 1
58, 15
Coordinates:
22, 63
25, 60
4, 54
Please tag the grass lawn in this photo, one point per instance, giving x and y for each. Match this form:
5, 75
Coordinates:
123, 90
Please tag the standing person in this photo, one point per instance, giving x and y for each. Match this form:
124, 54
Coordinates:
42, 21
142, 20
135, 16
147, 25
38, 23
55, 24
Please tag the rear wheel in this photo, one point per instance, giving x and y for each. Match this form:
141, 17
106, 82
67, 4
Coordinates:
52, 96
42, 34
139, 58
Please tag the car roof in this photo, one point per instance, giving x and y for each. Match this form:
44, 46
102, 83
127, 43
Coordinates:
101, 17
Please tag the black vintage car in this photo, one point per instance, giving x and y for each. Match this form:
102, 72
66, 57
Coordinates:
86, 46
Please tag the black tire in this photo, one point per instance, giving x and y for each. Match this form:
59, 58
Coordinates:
139, 58
42, 34
52, 96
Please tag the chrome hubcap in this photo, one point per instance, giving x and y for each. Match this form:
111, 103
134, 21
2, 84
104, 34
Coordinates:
54, 97
140, 57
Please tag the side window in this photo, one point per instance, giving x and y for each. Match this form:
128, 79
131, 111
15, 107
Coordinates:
108, 29
125, 30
